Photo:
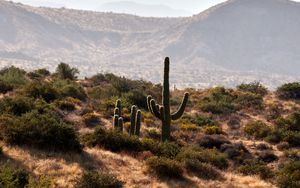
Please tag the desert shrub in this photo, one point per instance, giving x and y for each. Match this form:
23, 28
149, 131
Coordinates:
40, 182
253, 87
164, 167
262, 146
65, 105
137, 97
212, 141
44, 131
212, 130
234, 122
274, 111
113, 140
43, 72
283, 146
219, 101
255, 167
153, 133
91, 119
289, 91
289, 175
292, 154
248, 100
236, 151
161, 149
64, 71
267, 156
74, 91
203, 170
41, 90
13, 76
10, 177
189, 127
95, 179
17, 105
199, 120
257, 129
209, 156
287, 130
5, 87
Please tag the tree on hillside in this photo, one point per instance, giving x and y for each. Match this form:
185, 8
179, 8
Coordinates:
64, 71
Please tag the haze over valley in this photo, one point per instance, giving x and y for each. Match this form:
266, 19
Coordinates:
233, 42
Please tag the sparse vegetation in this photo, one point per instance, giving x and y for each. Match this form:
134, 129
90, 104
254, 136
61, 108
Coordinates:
96, 179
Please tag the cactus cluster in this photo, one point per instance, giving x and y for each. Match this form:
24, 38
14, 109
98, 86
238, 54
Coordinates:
135, 119
117, 118
163, 112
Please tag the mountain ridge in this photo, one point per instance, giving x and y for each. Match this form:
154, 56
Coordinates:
221, 47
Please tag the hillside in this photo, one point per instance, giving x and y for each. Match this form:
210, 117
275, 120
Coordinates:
237, 41
58, 131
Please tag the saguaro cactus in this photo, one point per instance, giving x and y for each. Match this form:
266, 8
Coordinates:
163, 112
117, 118
135, 121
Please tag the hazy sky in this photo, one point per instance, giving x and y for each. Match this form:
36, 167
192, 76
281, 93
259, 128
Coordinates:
170, 8
192, 6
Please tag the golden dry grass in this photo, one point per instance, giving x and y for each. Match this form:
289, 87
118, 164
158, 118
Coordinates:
64, 168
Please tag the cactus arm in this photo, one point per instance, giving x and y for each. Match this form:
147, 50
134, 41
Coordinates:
181, 109
154, 109
115, 122
120, 124
138, 122
119, 106
132, 120
116, 111
149, 98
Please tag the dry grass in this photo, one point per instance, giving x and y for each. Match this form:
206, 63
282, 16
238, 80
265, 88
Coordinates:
64, 168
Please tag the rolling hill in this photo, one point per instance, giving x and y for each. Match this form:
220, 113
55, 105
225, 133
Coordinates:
236, 41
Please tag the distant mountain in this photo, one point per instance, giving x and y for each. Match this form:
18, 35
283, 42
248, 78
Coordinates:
143, 9
236, 41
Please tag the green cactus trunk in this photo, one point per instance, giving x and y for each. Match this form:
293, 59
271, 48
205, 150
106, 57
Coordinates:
132, 120
166, 125
164, 112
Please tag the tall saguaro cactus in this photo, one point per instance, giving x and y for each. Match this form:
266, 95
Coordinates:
163, 112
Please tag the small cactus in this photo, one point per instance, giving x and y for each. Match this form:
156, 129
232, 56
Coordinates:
135, 119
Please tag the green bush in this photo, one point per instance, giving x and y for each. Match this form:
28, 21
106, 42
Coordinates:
164, 167
44, 131
218, 101
91, 119
41, 90
5, 87
209, 156
64, 71
113, 140
17, 105
10, 177
95, 180
65, 105
287, 129
289, 175
212, 130
253, 87
255, 167
248, 100
203, 170
289, 91
257, 129
13, 76
68, 88
199, 120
